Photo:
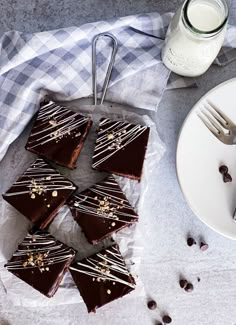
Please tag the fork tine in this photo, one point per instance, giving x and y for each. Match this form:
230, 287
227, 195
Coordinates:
210, 127
216, 116
213, 122
222, 115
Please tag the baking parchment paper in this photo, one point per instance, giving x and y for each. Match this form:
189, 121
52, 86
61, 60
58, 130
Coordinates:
13, 226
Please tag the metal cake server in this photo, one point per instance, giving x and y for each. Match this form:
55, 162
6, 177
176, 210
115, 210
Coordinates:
109, 70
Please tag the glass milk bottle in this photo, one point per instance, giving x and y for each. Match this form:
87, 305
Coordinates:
195, 36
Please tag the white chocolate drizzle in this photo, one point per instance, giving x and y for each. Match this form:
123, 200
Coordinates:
40, 178
106, 268
55, 122
39, 250
112, 137
106, 203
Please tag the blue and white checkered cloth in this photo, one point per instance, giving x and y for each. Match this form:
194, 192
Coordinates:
59, 63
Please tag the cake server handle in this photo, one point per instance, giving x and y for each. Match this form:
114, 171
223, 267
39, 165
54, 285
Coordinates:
109, 70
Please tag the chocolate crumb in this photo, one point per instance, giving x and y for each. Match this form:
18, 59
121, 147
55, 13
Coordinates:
223, 169
158, 323
227, 178
189, 287
152, 304
198, 279
191, 241
203, 246
166, 319
183, 283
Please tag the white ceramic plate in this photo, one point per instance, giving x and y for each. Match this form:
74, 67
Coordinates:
199, 155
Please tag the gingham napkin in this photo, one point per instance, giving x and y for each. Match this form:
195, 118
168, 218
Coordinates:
59, 62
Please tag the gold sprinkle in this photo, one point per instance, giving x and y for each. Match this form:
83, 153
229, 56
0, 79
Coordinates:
113, 224
113, 283
110, 136
25, 264
48, 205
98, 279
78, 134
47, 269
93, 279
54, 193
52, 122
32, 196
48, 178
109, 291
31, 258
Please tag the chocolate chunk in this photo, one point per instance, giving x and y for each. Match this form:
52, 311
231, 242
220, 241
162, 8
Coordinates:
191, 241
41, 261
223, 169
116, 143
189, 287
102, 278
166, 319
203, 246
227, 178
102, 210
152, 304
58, 134
183, 283
33, 194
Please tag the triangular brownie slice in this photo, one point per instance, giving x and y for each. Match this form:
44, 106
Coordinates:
58, 134
102, 210
102, 278
39, 193
41, 261
120, 148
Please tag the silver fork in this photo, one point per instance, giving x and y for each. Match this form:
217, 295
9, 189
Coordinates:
218, 123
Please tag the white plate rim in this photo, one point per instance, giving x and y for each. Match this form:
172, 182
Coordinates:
177, 155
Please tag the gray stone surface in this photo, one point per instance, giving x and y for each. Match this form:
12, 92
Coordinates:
38, 15
166, 255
